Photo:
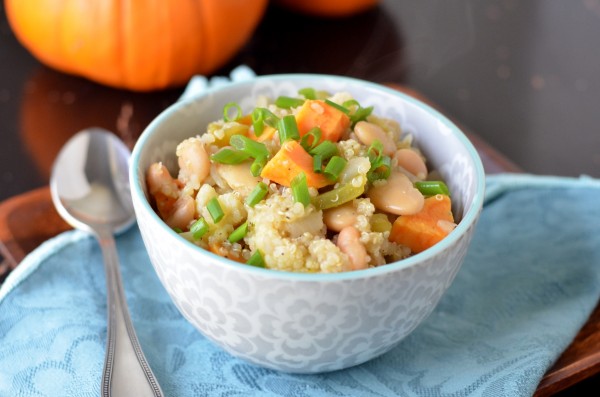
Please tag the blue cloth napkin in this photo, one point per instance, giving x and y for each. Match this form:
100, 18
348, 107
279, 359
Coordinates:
530, 280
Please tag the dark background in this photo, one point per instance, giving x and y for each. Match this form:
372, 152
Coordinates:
523, 75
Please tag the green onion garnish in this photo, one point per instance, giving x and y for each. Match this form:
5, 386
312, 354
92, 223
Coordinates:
381, 164
256, 259
359, 113
215, 210
239, 233
286, 102
308, 93
257, 165
228, 156
257, 194
177, 230
262, 116
300, 189
335, 167
351, 103
257, 122
325, 149
432, 188
227, 110
288, 129
338, 107
375, 150
199, 228
380, 168
314, 136
318, 163
248, 146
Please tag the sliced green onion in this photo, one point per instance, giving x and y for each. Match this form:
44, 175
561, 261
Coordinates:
256, 259
286, 102
257, 165
380, 163
262, 116
177, 230
432, 188
239, 233
314, 134
227, 110
340, 195
325, 149
300, 189
337, 106
257, 194
335, 167
258, 122
288, 129
199, 228
375, 150
250, 147
359, 113
350, 103
318, 163
229, 156
215, 210
380, 168
271, 120
308, 93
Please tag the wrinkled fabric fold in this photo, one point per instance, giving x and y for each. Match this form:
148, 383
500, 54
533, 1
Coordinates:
529, 282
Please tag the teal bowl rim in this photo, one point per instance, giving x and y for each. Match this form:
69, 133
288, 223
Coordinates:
468, 220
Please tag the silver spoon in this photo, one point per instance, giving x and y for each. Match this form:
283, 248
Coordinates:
90, 189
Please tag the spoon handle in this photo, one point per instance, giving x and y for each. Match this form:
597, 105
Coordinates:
126, 371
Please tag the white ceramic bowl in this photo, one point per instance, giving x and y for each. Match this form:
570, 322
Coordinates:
307, 323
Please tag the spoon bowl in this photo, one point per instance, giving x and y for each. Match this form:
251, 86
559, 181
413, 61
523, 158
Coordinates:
89, 182
90, 190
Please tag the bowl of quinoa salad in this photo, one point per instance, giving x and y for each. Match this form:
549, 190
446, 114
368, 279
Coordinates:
305, 223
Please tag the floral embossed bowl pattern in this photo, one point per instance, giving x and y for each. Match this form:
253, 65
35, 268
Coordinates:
307, 323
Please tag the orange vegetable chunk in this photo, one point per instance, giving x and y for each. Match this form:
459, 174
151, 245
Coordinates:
316, 113
245, 120
424, 229
268, 133
290, 161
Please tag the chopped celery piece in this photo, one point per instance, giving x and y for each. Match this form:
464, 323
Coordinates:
342, 194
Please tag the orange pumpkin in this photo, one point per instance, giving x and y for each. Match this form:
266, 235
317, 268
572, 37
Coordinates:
328, 8
139, 45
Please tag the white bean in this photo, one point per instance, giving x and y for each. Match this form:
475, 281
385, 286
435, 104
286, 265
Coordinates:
182, 213
337, 218
163, 189
412, 162
396, 196
159, 180
348, 241
238, 176
194, 163
367, 133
